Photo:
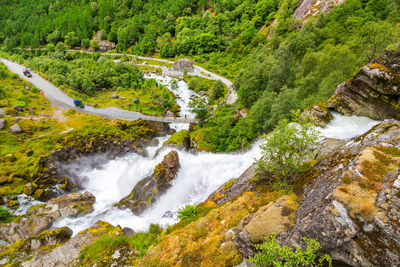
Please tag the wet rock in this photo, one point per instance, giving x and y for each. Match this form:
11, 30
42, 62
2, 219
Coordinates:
42, 217
114, 96
320, 113
16, 129
183, 64
147, 191
13, 204
373, 92
2, 124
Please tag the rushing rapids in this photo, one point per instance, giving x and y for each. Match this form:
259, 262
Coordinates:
199, 176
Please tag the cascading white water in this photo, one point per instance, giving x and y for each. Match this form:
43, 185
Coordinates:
346, 127
200, 175
182, 92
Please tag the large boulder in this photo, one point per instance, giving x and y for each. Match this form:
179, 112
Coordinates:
42, 217
183, 64
320, 113
149, 190
373, 92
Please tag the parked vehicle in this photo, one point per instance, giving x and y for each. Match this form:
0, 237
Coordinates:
78, 103
27, 73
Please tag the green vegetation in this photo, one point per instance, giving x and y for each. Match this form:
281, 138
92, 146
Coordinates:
188, 211
178, 138
272, 254
108, 243
277, 64
94, 79
286, 149
5, 215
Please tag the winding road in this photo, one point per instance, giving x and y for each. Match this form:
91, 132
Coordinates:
231, 97
57, 97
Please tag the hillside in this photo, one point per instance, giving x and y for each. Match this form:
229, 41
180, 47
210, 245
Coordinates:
212, 133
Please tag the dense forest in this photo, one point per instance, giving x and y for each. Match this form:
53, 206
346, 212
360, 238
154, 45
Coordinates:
277, 64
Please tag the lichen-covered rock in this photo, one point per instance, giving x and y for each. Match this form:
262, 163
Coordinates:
42, 217
183, 64
373, 92
147, 191
320, 113
35, 246
351, 200
30, 188
179, 140
65, 254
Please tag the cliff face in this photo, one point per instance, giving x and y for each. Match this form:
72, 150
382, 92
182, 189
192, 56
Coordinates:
373, 92
309, 8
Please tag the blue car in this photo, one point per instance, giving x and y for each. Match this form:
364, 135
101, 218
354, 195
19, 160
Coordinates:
78, 103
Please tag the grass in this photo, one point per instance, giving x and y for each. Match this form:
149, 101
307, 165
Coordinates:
46, 128
188, 211
105, 246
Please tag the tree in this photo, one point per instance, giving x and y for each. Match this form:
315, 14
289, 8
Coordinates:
54, 37
85, 43
272, 254
199, 107
94, 45
71, 39
61, 48
286, 149
218, 91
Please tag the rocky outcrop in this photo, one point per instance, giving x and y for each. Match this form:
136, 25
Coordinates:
35, 246
351, 200
373, 92
148, 191
42, 217
183, 64
179, 140
309, 8
65, 254
320, 113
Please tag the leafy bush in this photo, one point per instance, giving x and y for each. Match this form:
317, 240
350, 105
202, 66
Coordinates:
286, 149
188, 211
272, 254
5, 215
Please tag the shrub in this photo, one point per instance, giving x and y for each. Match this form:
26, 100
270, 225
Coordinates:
188, 211
5, 215
286, 149
272, 254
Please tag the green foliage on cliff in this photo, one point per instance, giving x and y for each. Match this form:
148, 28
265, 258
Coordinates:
272, 254
5, 215
286, 149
